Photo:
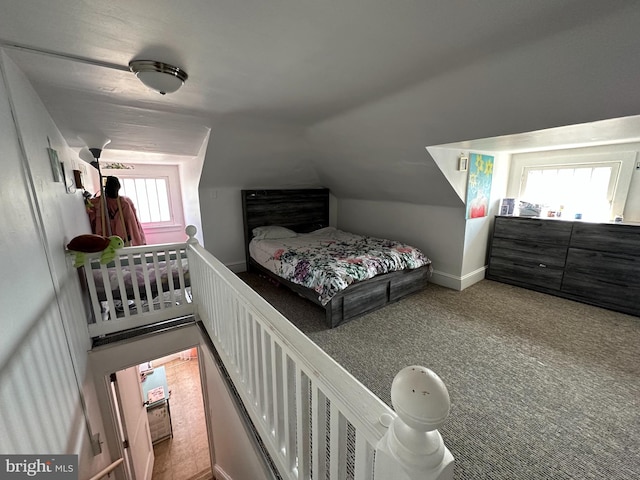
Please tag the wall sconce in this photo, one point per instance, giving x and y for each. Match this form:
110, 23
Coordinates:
77, 179
463, 162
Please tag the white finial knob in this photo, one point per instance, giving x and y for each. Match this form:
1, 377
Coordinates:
420, 398
191, 231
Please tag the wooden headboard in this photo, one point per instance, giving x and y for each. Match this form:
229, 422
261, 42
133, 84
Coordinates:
301, 210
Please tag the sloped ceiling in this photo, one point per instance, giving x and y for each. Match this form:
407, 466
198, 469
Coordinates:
344, 94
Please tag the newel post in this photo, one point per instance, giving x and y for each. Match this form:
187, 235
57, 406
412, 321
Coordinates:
191, 231
413, 448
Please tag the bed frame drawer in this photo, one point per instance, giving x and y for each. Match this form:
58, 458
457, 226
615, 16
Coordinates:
406, 282
364, 300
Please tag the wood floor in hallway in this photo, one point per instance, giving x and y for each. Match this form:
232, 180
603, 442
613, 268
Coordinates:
186, 455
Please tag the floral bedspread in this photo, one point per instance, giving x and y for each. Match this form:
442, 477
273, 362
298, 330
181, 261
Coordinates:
329, 260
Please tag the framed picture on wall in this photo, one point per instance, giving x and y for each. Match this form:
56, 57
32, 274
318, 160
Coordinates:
56, 165
479, 185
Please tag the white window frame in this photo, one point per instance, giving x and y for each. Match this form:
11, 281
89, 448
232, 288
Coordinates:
613, 179
164, 223
171, 174
624, 158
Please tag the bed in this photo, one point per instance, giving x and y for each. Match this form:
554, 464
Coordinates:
306, 212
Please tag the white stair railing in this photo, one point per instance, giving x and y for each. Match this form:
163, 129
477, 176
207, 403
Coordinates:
316, 420
141, 286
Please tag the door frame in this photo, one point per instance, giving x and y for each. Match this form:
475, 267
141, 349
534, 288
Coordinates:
128, 353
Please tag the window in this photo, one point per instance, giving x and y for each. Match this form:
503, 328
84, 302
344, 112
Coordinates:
587, 189
150, 196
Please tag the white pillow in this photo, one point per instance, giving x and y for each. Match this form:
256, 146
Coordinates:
273, 231
324, 231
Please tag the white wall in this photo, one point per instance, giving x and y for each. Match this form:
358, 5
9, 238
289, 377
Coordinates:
44, 334
235, 456
447, 160
261, 154
222, 225
478, 230
190, 173
245, 154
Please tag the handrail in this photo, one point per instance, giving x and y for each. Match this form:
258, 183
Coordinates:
107, 470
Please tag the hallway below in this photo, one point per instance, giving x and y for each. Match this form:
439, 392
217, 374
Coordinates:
186, 455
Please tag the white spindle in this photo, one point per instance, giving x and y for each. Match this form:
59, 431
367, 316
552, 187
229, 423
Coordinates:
257, 371
122, 289
363, 460
338, 444
169, 266
302, 421
276, 392
249, 374
265, 363
319, 432
289, 409
93, 294
181, 253
244, 337
134, 282
160, 292
236, 334
147, 283
106, 281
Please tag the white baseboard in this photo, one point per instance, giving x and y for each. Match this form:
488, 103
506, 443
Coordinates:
456, 282
473, 277
220, 474
446, 280
237, 267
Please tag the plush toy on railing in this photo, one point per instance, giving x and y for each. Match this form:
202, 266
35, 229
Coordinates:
90, 243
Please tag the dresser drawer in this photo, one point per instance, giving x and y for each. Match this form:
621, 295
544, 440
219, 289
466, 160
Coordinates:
529, 273
528, 253
606, 237
557, 232
604, 278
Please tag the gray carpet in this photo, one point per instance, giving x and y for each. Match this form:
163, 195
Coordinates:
541, 387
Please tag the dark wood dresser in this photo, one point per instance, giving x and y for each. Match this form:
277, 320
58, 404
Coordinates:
596, 263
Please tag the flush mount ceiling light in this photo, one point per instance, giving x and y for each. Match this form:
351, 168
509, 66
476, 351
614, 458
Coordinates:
158, 76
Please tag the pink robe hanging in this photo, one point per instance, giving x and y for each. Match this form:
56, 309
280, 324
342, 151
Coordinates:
121, 215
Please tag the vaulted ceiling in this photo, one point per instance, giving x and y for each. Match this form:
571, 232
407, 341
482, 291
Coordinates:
342, 93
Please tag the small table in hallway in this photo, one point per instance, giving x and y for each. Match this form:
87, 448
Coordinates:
155, 391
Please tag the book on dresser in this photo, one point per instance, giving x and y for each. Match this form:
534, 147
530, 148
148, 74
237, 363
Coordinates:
595, 263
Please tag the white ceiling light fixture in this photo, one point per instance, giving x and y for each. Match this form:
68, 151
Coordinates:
158, 76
